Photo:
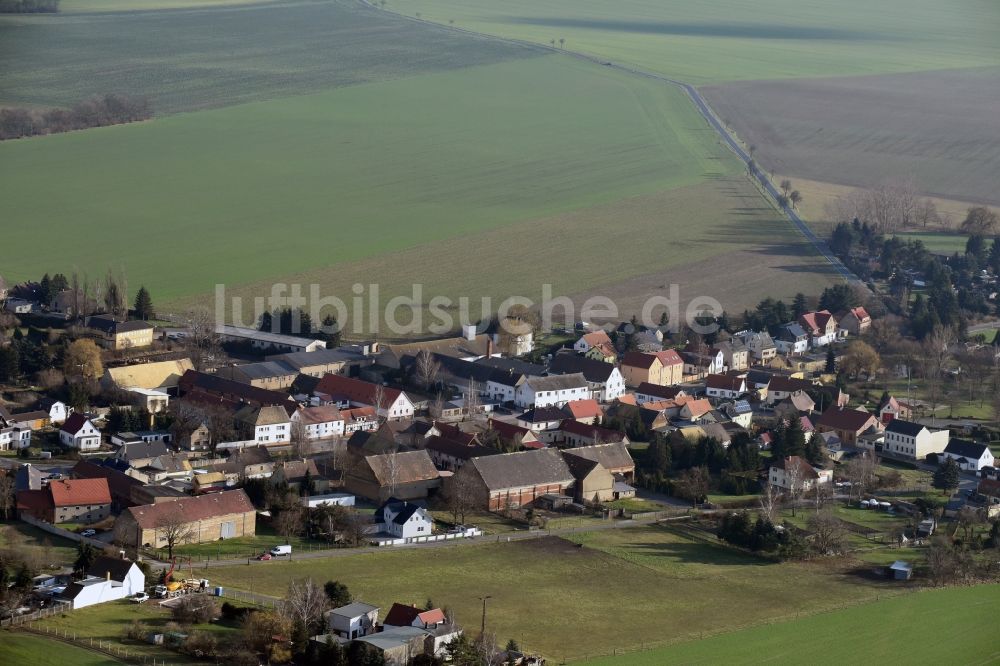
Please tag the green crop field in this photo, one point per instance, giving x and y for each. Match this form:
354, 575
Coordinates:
18, 648
878, 633
82, 6
674, 586
363, 172
727, 40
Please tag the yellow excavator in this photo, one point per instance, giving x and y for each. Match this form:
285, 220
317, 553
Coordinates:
174, 588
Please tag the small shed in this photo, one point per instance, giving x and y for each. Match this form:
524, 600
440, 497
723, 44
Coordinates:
901, 570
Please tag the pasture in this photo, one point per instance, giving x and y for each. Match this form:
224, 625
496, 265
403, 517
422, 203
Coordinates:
877, 633
21, 648
730, 40
939, 129
316, 186
675, 585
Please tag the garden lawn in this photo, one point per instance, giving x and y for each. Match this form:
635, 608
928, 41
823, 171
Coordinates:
881, 632
264, 539
675, 586
39, 548
21, 648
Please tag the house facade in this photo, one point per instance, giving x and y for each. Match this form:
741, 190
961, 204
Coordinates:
403, 520
970, 456
79, 433
821, 326
268, 426
664, 368
322, 422
121, 334
203, 519
107, 579
553, 391
906, 439
797, 475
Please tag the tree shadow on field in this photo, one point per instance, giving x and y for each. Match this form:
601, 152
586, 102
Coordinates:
696, 29
699, 553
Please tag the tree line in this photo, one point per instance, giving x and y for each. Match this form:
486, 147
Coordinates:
29, 6
101, 111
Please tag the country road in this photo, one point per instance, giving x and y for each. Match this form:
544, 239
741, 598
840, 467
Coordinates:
703, 108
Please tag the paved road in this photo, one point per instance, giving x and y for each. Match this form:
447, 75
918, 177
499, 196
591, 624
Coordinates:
703, 108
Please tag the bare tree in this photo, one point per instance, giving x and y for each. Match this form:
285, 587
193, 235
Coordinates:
304, 603
297, 438
796, 198
828, 534
472, 403
786, 187
460, 496
289, 521
174, 529
7, 486
202, 341
795, 480
770, 503
378, 400
861, 472
427, 369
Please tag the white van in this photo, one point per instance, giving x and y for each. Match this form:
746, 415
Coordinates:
281, 550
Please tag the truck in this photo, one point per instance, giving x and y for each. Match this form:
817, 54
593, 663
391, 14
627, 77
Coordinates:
281, 550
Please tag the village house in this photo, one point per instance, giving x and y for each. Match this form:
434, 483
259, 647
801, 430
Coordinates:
890, 408
353, 620
795, 405
209, 389
576, 433
761, 345
664, 368
584, 411
403, 520
120, 484
138, 452
67, 501
554, 391
605, 380
739, 412
780, 387
118, 335
271, 375
268, 425
322, 422
821, 327
613, 456
392, 404
725, 386
792, 340
913, 441
406, 475
200, 519
57, 410
449, 454
647, 392
855, 321
14, 438
970, 456
198, 439
543, 421
588, 341
514, 436
848, 424
79, 433
698, 364
107, 579
592, 482
735, 355
796, 474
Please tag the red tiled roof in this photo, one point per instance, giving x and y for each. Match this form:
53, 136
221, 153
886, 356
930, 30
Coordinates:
597, 338
192, 509
34, 501
356, 390
638, 360
583, 409
74, 492
814, 322
585, 430
669, 357
725, 382
839, 418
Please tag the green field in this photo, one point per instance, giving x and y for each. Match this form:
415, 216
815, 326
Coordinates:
526, 141
674, 586
942, 243
878, 633
20, 648
83, 6
727, 40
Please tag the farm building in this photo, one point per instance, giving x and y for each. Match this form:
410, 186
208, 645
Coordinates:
515, 479
268, 341
407, 475
202, 519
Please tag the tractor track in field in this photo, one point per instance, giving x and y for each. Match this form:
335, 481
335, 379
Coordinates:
703, 108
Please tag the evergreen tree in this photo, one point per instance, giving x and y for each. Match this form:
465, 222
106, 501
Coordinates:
799, 305
947, 475
331, 331
831, 360
45, 289
143, 305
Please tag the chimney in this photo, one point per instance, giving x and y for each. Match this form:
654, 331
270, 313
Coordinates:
109, 576
489, 346
469, 331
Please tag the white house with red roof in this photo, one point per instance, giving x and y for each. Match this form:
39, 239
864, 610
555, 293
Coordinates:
821, 326
393, 404
854, 321
590, 340
79, 433
725, 386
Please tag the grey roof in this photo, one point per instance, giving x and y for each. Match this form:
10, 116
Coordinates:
136, 450
965, 448
901, 427
266, 370
394, 637
542, 415
354, 609
267, 336
103, 565
28, 477
109, 325
594, 370
525, 468
304, 359
792, 332
558, 382
514, 365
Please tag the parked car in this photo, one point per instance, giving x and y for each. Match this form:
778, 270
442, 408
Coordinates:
140, 597
88, 533
281, 550
264, 557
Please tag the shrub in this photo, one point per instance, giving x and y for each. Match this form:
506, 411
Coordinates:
200, 644
195, 609
136, 630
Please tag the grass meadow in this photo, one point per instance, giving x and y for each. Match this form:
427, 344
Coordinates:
729, 40
20, 648
887, 631
675, 585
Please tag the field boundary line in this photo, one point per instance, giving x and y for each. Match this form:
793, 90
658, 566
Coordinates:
704, 109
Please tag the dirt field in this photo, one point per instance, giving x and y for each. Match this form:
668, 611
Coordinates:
941, 129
